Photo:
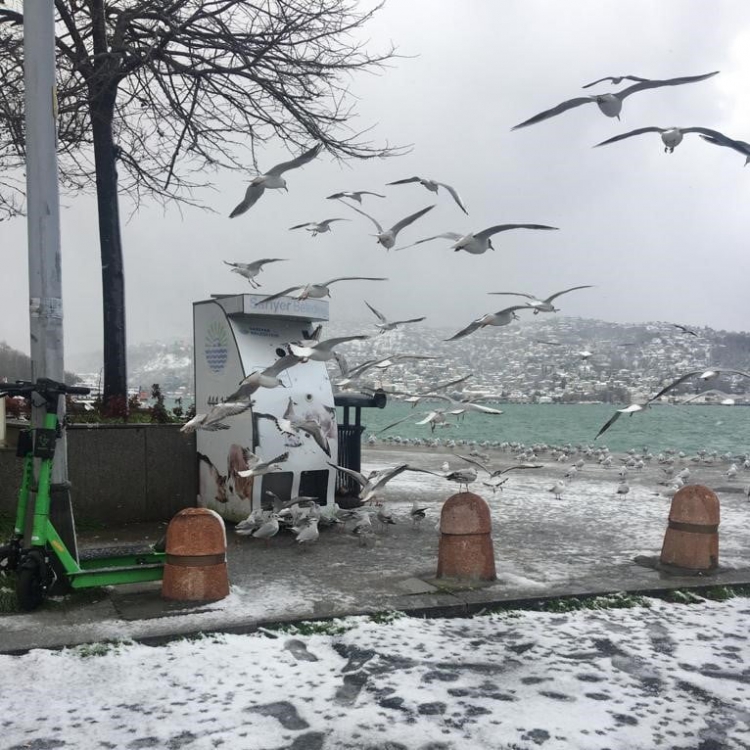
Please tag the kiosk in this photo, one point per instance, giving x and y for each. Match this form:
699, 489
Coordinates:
233, 336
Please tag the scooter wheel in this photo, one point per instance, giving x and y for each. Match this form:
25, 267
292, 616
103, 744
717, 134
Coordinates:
30, 585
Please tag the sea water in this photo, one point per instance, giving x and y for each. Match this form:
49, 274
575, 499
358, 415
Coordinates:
687, 428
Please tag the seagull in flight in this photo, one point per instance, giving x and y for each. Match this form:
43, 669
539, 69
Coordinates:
543, 305
268, 378
320, 351
684, 329
388, 325
387, 238
611, 104
258, 467
251, 270
213, 420
671, 137
432, 186
615, 80
355, 195
272, 179
500, 318
317, 290
704, 375
291, 424
317, 227
498, 472
373, 484
741, 147
477, 243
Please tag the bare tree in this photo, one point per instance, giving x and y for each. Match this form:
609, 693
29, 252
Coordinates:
156, 96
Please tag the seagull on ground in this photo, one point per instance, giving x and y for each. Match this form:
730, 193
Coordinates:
741, 147
557, 489
268, 378
611, 104
253, 522
476, 243
387, 238
272, 179
251, 270
388, 325
671, 137
417, 513
543, 305
317, 290
373, 484
317, 227
500, 318
432, 186
320, 351
355, 195
258, 467
309, 533
214, 419
622, 489
292, 424
268, 530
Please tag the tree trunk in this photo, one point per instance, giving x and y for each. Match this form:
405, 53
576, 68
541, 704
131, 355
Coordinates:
115, 395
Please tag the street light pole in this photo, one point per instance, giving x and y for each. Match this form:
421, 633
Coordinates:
43, 224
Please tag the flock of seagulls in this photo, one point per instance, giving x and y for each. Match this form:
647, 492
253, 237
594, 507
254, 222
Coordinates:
473, 243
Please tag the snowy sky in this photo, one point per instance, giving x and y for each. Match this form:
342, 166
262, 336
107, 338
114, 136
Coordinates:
662, 675
661, 236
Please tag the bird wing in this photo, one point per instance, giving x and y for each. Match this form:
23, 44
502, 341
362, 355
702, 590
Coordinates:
278, 460
445, 235
504, 227
658, 83
360, 478
473, 461
721, 140
441, 386
473, 326
515, 294
327, 222
513, 308
629, 134
608, 424
258, 264
360, 369
675, 383
252, 194
378, 315
387, 474
281, 364
615, 80
559, 109
406, 181
396, 228
684, 328
360, 211
565, 291
294, 163
330, 343
312, 428
430, 416
456, 197
300, 226
353, 278
278, 294
270, 418
411, 320
518, 467
393, 424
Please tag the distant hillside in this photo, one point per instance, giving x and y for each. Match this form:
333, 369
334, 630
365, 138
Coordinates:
15, 365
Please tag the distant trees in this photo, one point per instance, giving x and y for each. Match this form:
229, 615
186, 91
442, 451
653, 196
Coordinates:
156, 96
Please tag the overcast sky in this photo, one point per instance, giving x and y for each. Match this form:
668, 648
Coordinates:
662, 236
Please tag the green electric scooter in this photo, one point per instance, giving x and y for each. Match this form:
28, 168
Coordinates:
36, 551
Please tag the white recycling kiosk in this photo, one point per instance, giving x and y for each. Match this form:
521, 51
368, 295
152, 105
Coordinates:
233, 336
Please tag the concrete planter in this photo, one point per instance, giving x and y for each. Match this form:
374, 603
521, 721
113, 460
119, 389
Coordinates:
120, 474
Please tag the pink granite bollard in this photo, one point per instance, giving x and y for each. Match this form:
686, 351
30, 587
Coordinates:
196, 563
692, 537
465, 550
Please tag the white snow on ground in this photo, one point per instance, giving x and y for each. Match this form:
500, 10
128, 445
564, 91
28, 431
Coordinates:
656, 676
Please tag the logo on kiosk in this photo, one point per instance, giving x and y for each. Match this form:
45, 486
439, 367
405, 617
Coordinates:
216, 346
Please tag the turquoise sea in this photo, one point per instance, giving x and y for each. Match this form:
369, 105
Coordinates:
682, 427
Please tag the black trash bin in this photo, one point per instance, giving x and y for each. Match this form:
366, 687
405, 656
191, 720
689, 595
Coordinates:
350, 436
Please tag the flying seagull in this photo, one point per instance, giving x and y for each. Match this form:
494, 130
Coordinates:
741, 147
317, 227
268, 378
320, 351
432, 186
291, 424
355, 195
272, 179
499, 472
543, 305
387, 238
704, 375
317, 290
258, 467
213, 420
251, 270
500, 318
614, 80
632, 409
684, 329
611, 104
477, 243
671, 137
388, 325
372, 484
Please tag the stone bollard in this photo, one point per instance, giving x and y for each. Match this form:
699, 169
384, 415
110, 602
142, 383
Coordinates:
692, 537
465, 549
196, 561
